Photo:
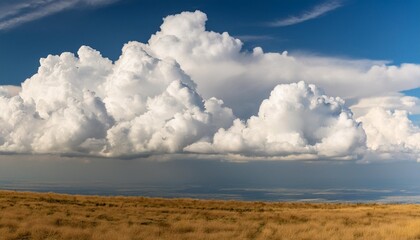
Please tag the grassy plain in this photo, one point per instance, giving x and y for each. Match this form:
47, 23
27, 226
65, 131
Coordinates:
38, 216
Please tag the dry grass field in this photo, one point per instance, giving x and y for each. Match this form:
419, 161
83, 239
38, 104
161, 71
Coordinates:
53, 216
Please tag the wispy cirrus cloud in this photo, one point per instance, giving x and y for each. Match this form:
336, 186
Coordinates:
254, 37
315, 12
13, 14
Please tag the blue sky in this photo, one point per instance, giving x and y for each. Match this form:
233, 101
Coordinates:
379, 30
149, 117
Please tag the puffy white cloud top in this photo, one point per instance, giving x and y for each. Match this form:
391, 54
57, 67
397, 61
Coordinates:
168, 97
297, 121
217, 63
88, 105
391, 134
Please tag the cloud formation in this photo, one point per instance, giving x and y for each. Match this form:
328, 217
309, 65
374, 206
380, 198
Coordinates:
23, 11
315, 12
198, 92
218, 63
391, 101
88, 105
391, 135
297, 122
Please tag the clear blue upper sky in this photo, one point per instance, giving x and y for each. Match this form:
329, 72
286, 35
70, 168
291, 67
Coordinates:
380, 30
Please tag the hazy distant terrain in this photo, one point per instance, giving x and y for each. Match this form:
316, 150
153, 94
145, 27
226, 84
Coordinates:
54, 216
252, 181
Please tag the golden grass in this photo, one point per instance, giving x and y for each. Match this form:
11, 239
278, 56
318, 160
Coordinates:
51, 216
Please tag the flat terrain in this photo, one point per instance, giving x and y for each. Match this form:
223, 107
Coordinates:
54, 216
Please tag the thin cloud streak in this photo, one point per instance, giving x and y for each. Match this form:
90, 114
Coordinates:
315, 12
14, 9
254, 37
26, 11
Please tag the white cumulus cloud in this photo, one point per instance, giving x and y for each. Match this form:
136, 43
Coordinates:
9, 90
391, 135
193, 91
86, 104
297, 120
393, 101
218, 63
